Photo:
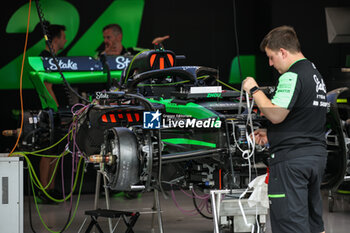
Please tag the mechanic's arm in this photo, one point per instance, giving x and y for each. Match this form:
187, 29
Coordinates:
159, 40
274, 113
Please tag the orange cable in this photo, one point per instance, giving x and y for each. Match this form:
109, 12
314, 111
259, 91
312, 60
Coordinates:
20, 85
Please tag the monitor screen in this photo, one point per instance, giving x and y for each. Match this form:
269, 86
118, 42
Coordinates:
338, 24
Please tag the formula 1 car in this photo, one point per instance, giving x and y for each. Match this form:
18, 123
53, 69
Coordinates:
169, 120
173, 125
168, 124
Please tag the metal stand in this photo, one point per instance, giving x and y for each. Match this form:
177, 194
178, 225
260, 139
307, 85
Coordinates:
97, 193
94, 214
228, 207
332, 193
156, 207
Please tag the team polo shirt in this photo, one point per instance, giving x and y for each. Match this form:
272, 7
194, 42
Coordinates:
302, 91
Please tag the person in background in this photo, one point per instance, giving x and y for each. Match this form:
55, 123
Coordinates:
296, 136
57, 37
112, 42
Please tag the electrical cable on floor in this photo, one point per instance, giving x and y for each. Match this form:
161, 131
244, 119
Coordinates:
36, 153
195, 205
198, 209
29, 203
37, 182
35, 179
70, 219
192, 212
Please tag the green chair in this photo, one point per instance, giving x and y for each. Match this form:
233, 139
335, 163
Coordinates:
347, 61
248, 68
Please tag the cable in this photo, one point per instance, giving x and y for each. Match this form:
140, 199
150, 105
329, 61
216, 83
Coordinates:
41, 18
230, 155
21, 98
35, 153
237, 49
106, 69
21, 78
32, 181
195, 205
225, 84
198, 209
236, 36
29, 203
192, 212
247, 154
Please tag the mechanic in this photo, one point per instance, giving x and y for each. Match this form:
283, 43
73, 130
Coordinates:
112, 42
296, 136
57, 36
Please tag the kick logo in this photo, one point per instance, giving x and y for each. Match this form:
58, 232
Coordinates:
151, 120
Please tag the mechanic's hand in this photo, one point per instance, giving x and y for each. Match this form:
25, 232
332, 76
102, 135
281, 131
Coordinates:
248, 84
111, 49
260, 137
158, 40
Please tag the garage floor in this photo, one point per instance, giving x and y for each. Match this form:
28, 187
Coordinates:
55, 216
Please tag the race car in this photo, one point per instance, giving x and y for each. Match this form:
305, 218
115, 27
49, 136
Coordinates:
174, 125
161, 124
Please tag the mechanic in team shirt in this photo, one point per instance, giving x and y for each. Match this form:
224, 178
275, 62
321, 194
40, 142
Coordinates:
296, 134
112, 42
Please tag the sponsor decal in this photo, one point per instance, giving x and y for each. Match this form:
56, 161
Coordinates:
155, 120
218, 95
151, 120
68, 65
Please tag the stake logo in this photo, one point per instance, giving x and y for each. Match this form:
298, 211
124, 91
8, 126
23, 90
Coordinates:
122, 62
151, 120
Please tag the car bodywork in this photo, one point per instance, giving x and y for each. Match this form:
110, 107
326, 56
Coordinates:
210, 148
